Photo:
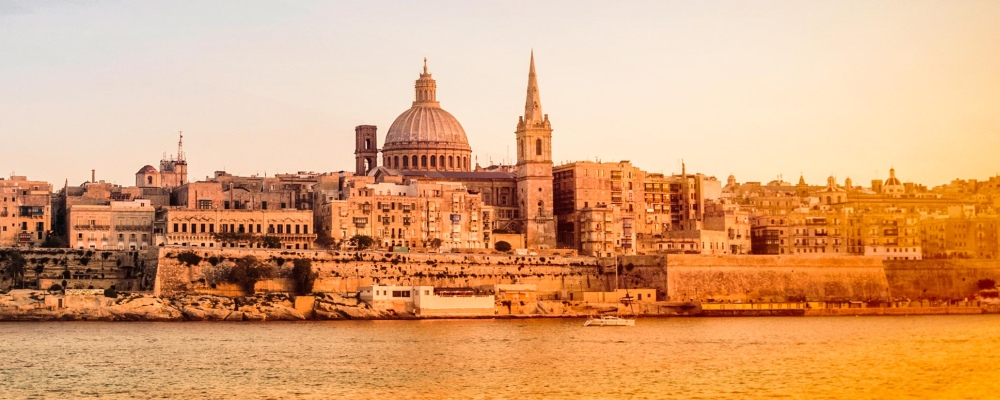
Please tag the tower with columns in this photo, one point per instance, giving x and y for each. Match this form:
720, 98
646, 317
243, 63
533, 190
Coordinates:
365, 149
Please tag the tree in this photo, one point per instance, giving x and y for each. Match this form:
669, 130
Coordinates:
15, 266
986, 284
324, 240
189, 258
248, 271
502, 246
303, 276
53, 241
436, 243
362, 242
271, 242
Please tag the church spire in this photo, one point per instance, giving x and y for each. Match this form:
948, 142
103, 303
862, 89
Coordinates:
533, 103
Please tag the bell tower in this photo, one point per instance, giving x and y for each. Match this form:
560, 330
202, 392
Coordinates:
534, 169
365, 149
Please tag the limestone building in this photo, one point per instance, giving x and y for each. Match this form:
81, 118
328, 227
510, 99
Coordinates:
172, 173
25, 211
415, 214
238, 228
118, 225
425, 143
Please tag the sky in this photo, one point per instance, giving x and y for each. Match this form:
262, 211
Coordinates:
757, 89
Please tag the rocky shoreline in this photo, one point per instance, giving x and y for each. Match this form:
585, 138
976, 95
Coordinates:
33, 305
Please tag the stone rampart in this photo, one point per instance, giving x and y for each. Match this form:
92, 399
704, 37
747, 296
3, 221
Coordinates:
774, 278
939, 279
344, 272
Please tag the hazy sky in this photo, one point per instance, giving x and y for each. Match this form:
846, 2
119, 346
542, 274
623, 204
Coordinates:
757, 89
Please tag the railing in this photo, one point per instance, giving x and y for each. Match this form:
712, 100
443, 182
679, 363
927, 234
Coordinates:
92, 227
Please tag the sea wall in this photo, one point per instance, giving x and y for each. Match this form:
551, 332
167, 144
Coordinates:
774, 278
939, 279
344, 272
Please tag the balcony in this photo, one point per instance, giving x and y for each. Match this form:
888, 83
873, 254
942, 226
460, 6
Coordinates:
91, 227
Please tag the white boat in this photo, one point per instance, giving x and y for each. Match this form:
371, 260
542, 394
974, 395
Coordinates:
609, 320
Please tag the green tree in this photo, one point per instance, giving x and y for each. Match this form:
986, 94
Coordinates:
324, 240
502, 246
14, 267
189, 258
362, 242
303, 276
436, 243
271, 242
248, 271
52, 241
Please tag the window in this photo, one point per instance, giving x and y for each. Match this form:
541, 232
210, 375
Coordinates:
433, 162
423, 161
538, 147
406, 162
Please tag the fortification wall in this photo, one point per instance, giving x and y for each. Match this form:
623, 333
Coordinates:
939, 279
344, 272
775, 278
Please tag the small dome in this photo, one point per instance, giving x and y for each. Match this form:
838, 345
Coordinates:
892, 181
147, 169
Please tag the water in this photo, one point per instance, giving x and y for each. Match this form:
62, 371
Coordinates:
684, 358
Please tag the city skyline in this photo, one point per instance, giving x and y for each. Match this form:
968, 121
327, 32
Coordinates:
758, 90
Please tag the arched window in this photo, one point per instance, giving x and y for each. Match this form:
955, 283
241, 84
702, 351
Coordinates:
414, 161
368, 144
406, 162
433, 162
451, 162
441, 161
538, 147
423, 161
368, 164
541, 205
395, 162
149, 180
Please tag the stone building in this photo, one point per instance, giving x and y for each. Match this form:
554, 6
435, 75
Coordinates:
118, 225
961, 237
172, 173
238, 227
428, 144
25, 211
415, 214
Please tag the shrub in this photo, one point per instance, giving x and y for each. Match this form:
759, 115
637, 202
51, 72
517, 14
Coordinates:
111, 292
189, 258
248, 271
55, 287
213, 260
502, 246
216, 273
279, 261
303, 276
986, 284
362, 242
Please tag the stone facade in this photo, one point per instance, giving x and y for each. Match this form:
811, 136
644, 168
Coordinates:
534, 169
120, 225
238, 228
25, 211
415, 214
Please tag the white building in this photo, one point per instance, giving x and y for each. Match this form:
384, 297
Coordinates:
426, 300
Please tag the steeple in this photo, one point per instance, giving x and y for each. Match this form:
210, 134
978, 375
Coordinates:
426, 89
533, 103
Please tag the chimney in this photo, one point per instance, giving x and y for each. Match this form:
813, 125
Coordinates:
93, 175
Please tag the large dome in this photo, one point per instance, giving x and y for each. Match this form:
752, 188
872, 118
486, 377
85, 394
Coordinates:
426, 127
426, 137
